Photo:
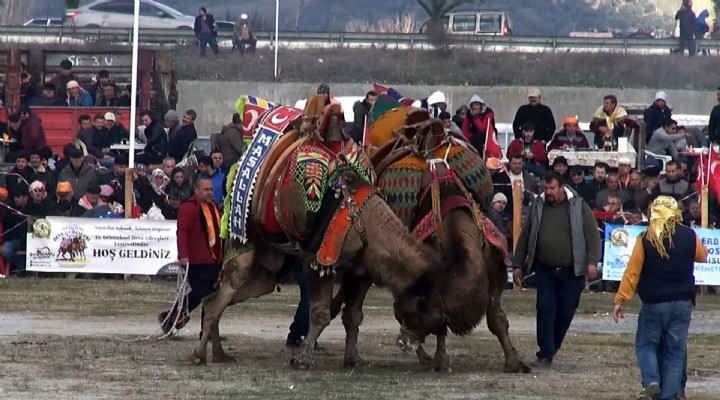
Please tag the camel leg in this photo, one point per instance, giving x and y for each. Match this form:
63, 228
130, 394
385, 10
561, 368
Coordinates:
354, 291
321, 293
337, 303
260, 282
441, 362
216, 303
498, 324
425, 359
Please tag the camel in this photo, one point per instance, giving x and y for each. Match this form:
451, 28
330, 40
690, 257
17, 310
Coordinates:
471, 287
353, 232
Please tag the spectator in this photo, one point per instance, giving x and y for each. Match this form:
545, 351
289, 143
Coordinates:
686, 21
501, 182
624, 169
171, 204
205, 31
168, 166
633, 188
110, 98
460, 115
532, 150
48, 97
324, 91
157, 141
361, 110
609, 121
78, 173
613, 189
13, 130
597, 184
77, 96
113, 131
478, 121
39, 204
181, 140
656, 115
116, 177
95, 138
63, 208
244, 35
29, 88
32, 133
179, 181
673, 185
231, 141
538, 114
516, 172
560, 165
62, 78
217, 158
21, 175
15, 225
714, 124
449, 125
207, 170
497, 214
89, 200
110, 206
577, 181
571, 137
693, 217
96, 89
668, 140
42, 173
159, 181
435, 104
85, 121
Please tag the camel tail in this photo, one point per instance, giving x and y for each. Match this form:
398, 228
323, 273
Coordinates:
336, 304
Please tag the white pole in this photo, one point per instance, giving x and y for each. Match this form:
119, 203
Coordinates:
277, 29
133, 83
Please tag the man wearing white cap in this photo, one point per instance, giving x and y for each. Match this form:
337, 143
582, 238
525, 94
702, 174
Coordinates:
538, 114
244, 35
77, 96
435, 104
115, 131
656, 115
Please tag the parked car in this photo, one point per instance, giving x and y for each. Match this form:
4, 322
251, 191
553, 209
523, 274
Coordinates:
224, 26
476, 22
119, 14
44, 22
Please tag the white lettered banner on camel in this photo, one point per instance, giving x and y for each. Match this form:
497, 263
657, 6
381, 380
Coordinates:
105, 245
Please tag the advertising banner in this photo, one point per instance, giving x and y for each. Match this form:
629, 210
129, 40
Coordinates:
105, 246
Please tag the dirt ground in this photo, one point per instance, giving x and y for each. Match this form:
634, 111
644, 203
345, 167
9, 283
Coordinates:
77, 339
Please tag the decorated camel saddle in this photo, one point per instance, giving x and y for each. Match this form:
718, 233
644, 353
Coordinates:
425, 172
287, 187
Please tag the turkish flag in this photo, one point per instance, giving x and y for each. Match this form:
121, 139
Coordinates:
392, 93
492, 147
709, 172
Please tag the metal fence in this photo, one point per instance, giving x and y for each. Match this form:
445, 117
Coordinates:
358, 39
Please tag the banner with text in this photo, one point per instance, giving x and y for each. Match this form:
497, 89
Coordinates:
107, 246
620, 240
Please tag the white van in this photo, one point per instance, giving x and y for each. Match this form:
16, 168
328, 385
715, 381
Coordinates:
477, 22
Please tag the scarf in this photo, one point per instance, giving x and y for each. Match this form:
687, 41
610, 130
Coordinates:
85, 203
159, 188
611, 119
664, 216
212, 220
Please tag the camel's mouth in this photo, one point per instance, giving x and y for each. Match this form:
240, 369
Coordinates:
408, 341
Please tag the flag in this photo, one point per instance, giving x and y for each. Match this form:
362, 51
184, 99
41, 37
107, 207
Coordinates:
709, 172
492, 147
392, 93
366, 133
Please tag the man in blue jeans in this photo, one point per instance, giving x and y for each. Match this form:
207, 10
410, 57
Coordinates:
206, 32
301, 322
661, 269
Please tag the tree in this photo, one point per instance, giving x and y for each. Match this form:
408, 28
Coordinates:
14, 12
437, 9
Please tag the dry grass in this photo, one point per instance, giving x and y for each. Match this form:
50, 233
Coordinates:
456, 67
590, 365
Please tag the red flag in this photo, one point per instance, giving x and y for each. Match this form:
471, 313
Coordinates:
380, 89
492, 147
709, 172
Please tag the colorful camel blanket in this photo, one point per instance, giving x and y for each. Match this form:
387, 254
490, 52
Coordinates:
270, 129
251, 108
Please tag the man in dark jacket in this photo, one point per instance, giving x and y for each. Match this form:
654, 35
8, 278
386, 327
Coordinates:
714, 124
78, 173
96, 89
157, 141
686, 19
21, 175
63, 78
205, 31
577, 181
232, 144
361, 109
15, 239
48, 98
180, 140
656, 115
32, 132
538, 114
94, 138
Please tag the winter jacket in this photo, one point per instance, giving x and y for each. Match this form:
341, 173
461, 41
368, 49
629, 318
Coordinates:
537, 148
79, 180
361, 109
579, 141
83, 100
541, 117
181, 142
714, 125
192, 240
157, 143
655, 118
14, 182
94, 141
231, 141
32, 133
475, 127
210, 19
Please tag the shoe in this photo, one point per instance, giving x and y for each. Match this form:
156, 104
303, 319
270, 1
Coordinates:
543, 362
651, 392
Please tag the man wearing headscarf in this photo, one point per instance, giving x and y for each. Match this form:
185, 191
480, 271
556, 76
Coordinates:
661, 269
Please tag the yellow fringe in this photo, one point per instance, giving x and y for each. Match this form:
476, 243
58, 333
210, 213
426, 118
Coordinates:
227, 204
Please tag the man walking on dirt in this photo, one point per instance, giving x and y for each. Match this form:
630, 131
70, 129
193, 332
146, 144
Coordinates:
200, 250
561, 244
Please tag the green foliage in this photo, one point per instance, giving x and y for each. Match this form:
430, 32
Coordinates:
436, 9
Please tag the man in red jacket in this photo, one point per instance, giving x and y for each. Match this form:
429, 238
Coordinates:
533, 150
200, 250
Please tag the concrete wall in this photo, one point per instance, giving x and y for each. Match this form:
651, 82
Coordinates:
215, 101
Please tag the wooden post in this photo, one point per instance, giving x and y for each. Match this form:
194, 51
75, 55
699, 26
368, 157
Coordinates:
517, 196
704, 219
128, 200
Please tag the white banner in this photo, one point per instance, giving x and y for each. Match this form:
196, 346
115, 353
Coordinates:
103, 245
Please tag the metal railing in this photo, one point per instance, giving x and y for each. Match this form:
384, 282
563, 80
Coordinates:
486, 43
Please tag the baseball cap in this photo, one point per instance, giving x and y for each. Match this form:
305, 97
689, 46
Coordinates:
109, 116
533, 92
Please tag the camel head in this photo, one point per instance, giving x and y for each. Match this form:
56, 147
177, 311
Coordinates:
418, 313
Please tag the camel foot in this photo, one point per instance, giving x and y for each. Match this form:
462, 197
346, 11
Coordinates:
357, 362
302, 361
198, 359
223, 358
516, 367
444, 369
424, 358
